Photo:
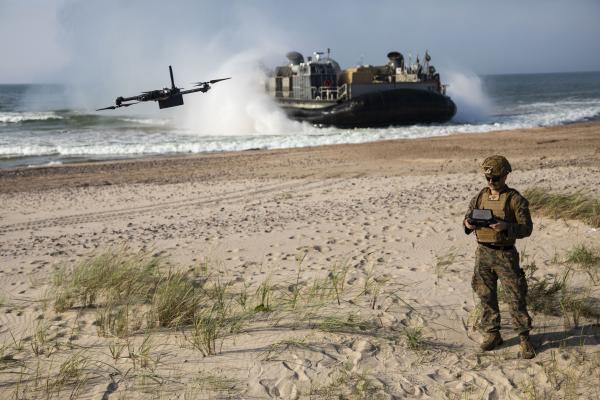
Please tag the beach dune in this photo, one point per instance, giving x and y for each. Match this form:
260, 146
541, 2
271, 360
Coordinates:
384, 217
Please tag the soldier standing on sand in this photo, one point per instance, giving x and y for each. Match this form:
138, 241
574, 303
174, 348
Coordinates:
496, 255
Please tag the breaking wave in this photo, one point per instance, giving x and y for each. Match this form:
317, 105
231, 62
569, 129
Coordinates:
140, 142
16, 117
484, 105
79, 119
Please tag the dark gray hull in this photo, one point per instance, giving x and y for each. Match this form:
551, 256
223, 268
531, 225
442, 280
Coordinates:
380, 109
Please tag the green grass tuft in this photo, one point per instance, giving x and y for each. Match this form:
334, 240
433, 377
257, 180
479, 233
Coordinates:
543, 296
587, 258
175, 301
569, 206
556, 297
117, 276
414, 338
349, 323
584, 256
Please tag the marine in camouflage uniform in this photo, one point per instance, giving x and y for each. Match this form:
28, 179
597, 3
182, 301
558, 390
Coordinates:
496, 256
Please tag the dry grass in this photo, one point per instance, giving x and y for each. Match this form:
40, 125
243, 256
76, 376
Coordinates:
543, 295
218, 317
351, 385
588, 258
443, 261
130, 291
558, 296
568, 206
209, 312
133, 292
175, 301
118, 276
206, 385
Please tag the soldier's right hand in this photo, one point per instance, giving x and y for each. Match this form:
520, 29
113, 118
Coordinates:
468, 225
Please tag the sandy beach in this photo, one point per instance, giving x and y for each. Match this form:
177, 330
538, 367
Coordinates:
385, 216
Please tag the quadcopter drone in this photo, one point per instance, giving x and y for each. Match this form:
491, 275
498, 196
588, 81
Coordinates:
167, 97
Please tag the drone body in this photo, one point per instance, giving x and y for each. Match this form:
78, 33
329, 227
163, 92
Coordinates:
167, 97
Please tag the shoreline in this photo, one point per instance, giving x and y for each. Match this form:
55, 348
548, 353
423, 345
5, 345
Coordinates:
529, 148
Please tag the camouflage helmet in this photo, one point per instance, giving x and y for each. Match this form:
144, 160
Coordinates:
496, 165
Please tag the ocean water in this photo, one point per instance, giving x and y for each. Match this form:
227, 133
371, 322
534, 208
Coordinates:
43, 125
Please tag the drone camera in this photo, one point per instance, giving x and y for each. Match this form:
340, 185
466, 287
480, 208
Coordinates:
172, 101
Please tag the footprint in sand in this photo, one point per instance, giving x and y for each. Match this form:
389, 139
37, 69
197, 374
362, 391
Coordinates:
282, 387
298, 366
358, 350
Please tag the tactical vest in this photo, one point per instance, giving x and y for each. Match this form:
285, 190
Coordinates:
500, 208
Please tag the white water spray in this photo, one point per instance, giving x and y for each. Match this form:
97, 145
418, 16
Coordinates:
239, 106
472, 103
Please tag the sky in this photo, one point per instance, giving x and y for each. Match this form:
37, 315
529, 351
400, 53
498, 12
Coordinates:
86, 41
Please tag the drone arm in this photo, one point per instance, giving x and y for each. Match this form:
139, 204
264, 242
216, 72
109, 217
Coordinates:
204, 88
122, 99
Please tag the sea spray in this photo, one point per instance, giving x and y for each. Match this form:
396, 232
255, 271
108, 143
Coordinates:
472, 102
239, 106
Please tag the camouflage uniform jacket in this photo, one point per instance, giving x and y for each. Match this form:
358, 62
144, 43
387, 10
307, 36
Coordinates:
518, 217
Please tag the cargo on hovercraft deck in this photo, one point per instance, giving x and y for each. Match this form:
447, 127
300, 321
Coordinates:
319, 92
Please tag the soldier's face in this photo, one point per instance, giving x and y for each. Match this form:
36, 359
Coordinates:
495, 182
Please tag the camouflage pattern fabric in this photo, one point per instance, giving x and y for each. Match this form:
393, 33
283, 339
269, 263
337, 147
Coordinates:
491, 264
496, 165
518, 216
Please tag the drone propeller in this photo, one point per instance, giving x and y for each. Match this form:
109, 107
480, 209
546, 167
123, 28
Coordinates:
115, 107
210, 82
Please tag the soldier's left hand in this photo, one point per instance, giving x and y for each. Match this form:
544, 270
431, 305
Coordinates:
499, 226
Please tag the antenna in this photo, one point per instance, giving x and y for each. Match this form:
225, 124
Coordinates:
172, 80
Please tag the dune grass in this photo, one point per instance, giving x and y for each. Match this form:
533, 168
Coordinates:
133, 292
588, 258
207, 385
119, 276
347, 383
414, 337
543, 295
175, 301
135, 311
556, 296
129, 291
585, 256
568, 206
443, 262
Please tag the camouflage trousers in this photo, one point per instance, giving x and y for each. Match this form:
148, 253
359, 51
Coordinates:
491, 264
